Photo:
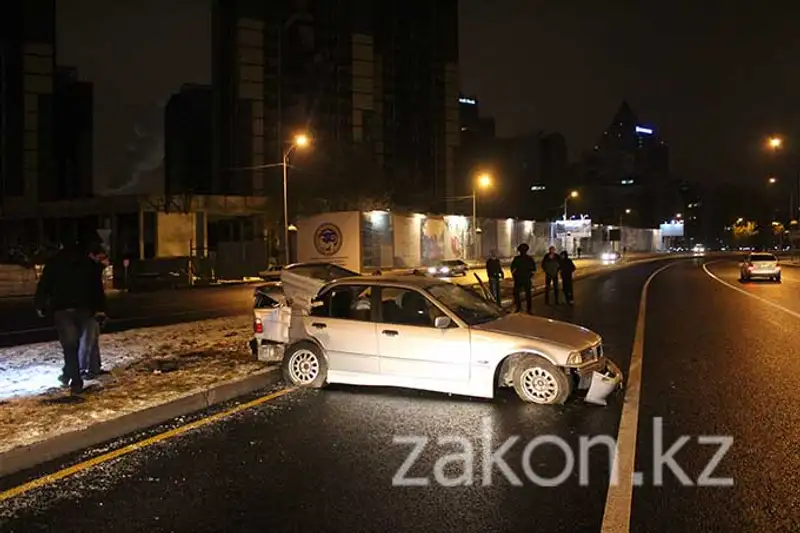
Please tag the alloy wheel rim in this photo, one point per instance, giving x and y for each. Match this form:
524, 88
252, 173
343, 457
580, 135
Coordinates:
304, 367
539, 385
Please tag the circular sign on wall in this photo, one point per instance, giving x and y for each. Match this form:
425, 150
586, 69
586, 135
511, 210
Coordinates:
328, 239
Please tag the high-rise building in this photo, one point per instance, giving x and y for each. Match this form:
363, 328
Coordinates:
477, 150
73, 138
188, 141
380, 77
628, 169
27, 63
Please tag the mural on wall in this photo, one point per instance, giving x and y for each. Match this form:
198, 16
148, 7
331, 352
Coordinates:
433, 244
376, 239
456, 237
407, 240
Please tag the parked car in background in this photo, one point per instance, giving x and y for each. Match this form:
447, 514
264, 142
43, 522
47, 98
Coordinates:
450, 267
760, 265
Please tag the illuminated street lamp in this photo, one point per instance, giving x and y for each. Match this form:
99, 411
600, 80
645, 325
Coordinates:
775, 142
573, 194
483, 181
627, 212
772, 180
300, 141
678, 215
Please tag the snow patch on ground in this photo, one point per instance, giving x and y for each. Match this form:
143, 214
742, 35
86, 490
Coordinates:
148, 367
33, 369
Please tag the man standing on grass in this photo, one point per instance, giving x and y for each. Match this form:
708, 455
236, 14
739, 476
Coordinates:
71, 290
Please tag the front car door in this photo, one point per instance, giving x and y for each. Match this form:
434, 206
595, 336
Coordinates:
342, 322
411, 346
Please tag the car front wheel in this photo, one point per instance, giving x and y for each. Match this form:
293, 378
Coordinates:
304, 365
539, 381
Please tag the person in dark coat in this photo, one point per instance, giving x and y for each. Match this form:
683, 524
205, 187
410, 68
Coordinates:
89, 351
551, 264
72, 292
567, 269
523, 267
494, 271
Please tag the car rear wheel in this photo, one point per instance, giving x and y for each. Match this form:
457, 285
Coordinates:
539, 381
304, 365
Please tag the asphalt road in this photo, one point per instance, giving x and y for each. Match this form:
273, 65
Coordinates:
716, 361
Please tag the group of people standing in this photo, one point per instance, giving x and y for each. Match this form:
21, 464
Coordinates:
523, 269
71, 292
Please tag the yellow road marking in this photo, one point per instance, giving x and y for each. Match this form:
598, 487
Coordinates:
130, 448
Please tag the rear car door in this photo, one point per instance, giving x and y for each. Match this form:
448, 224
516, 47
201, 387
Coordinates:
342, 322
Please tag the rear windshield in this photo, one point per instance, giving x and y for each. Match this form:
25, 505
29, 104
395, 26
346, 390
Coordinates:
322, 271
763, 257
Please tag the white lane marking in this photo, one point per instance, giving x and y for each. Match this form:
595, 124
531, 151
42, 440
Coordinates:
617, 513
750, 294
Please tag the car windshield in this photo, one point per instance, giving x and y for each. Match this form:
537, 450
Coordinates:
468, 305
763, 257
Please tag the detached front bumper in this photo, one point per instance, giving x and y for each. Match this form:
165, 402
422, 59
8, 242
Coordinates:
601, 377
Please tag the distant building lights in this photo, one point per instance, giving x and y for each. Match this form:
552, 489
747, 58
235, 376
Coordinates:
642, 129
468, 101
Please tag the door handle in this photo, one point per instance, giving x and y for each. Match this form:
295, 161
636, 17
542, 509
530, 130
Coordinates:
390, 333
319, 325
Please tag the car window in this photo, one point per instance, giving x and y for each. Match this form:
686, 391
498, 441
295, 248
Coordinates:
467, 304
407, 307
763, 257
348, 302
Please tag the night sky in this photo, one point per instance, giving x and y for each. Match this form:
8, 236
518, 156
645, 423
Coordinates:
713, 79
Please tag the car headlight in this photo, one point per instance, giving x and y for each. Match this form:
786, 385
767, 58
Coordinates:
445, 270
575, 358
432, 270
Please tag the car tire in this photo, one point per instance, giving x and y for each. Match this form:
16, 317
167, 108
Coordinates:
537, 380
304, 365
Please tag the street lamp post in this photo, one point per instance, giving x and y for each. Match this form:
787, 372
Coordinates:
299, 141
573, 194
484, 181
627, 212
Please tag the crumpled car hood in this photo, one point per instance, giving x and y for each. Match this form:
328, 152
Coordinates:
535, 327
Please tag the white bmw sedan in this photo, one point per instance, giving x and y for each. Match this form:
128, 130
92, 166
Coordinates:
422, 333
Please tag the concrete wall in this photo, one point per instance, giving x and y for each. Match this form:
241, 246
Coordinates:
334, 237
380, 239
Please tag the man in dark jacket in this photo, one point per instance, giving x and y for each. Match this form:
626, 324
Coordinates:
567, 269
551, 265
89, 351
523, 267
494, 271
72, 291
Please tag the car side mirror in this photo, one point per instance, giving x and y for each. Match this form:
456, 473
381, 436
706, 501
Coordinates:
442, 322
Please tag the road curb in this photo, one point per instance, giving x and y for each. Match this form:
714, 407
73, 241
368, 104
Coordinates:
25, 457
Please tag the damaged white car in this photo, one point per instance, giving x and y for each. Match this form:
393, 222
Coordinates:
422, 333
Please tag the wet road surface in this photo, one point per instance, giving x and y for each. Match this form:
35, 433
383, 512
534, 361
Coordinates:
716, 362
